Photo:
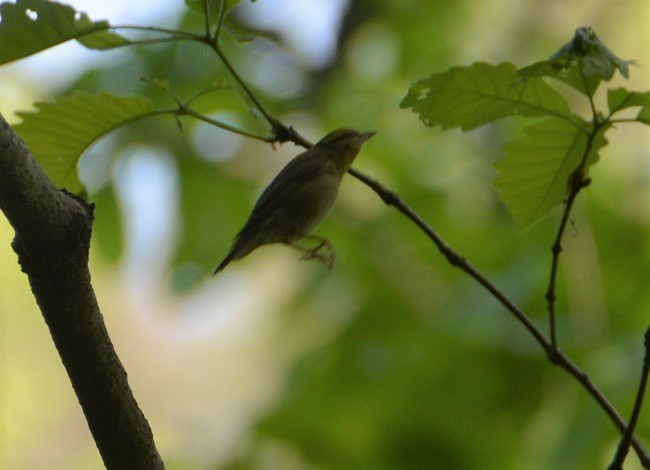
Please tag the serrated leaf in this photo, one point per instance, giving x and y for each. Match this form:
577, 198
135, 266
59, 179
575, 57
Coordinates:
469, 97
593, 57
58, 133
534, 174
30, 26
571, 75
620, 98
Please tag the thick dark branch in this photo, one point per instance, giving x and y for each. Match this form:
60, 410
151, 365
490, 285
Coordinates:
52, 240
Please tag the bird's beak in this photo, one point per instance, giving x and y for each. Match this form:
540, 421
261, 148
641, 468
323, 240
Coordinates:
366, 135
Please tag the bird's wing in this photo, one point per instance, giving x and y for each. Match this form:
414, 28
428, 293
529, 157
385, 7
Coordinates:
297, 173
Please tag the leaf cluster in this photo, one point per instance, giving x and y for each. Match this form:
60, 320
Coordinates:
534, 176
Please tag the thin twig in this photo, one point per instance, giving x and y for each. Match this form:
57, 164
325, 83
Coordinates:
206, 15
624, 444
217, 49
156, 29
556, 249
184, 110
576, 183
220, 18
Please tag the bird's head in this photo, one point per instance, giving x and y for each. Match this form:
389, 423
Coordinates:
344, 144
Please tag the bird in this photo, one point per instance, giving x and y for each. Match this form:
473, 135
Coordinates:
299, 198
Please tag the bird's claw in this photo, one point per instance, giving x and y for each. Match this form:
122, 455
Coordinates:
326, 259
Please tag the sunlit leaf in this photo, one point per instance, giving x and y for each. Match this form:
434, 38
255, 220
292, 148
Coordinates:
620, 98
469, 97
571, 75
534, 174
58, 133
30, 26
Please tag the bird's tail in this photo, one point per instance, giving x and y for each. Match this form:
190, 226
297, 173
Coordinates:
231, 256
240, 249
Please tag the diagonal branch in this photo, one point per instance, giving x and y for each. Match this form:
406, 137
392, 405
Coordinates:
624, 444
556, 356
52, 240
284, 133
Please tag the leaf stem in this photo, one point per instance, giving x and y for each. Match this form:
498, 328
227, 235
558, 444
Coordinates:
184, 110
175, 33
206, 10
220, 18
590, 95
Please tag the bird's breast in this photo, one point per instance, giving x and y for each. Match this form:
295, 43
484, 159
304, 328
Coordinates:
312, 202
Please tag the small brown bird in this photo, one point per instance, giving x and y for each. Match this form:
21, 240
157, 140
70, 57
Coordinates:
299, 198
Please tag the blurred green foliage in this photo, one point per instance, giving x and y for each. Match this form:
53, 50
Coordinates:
407, 363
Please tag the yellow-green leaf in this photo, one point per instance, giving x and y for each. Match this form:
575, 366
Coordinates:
469, 97
571, 75
58, 133
534, 174
620, 98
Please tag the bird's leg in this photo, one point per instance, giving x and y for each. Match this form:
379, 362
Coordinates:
315, 253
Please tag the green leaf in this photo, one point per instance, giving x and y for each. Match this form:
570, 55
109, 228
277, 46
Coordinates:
469, 97
58, 133
213, 7
571, 75
593, 57
30, 26
534, 174
620, 98
102, 40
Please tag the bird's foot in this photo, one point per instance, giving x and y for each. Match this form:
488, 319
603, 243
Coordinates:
326, 259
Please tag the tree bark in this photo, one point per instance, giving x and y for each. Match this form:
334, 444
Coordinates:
52, 240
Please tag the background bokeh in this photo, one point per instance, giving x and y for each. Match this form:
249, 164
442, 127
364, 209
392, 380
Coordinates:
392, 360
